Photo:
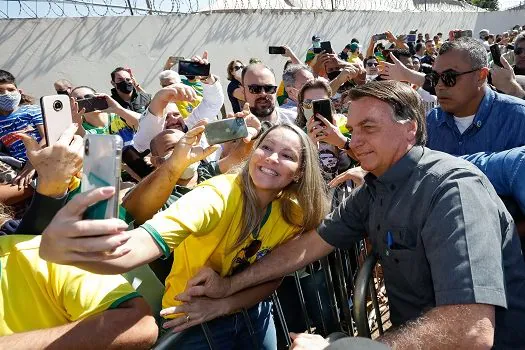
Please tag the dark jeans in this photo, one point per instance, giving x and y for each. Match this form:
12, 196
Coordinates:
232, 332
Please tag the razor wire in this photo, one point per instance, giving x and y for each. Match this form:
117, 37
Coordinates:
100, 8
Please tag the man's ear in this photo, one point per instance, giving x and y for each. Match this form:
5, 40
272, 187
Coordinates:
483, 75
411, 126
113, 84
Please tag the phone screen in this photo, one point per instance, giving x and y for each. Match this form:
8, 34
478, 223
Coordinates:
225, 130
276, 50
496, 54
327, 47
95, 103
324, 108
194, 69
411, 38
378, 37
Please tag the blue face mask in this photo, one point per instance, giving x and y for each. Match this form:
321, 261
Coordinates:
9, 101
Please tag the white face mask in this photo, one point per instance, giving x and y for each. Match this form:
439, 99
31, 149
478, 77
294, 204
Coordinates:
9, 101
189, 171
308, 113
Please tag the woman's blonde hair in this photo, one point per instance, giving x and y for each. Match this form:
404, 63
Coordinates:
309, 192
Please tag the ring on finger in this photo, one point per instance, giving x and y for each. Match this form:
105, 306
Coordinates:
187, 318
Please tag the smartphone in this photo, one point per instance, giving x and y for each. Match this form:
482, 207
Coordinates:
95, 103
463, 33
378, 37
102, 166
317, 50
327, 47
413, 32
496, 54
324, 108
225, 130
276, 50
194, 69
56, 112
411, 38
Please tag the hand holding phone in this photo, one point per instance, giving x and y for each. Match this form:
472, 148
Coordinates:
225, 130
326, 46
382, 36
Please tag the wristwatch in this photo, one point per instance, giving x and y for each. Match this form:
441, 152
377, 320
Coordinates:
346, 146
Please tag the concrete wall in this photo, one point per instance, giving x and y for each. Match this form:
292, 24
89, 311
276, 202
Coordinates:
85, 50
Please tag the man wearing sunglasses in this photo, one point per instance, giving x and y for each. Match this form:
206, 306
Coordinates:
519, 54
260, 91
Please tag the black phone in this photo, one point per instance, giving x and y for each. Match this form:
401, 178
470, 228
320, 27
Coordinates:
324, 108
190, 68
317, 50
496, 54
382, 36
276, 50
326, 46
95, 103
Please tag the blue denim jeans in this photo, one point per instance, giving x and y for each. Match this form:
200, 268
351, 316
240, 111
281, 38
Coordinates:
232, 332
505, 170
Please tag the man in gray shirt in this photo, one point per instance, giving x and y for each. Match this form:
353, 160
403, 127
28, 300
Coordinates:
452, 262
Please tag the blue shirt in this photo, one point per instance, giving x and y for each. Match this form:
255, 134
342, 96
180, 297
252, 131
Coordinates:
26, 119
499, 125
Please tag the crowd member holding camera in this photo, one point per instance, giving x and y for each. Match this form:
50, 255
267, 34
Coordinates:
112, 120
228, 221
15, 119
127, 92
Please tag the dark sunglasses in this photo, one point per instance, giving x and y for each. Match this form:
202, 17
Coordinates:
519, 50
236, 68
448, 77
372, 64
249, 251
257, 89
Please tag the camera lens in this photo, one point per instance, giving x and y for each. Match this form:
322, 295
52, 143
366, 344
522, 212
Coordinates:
57, 105
86, 147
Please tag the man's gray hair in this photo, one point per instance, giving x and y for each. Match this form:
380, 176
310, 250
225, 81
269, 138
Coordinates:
471, 48
169, 75
291, 72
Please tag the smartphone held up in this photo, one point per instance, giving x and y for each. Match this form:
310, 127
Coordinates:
276, 50
56, 113
194, 69
225, 130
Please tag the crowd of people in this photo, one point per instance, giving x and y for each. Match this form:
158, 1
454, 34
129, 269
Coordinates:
422, 156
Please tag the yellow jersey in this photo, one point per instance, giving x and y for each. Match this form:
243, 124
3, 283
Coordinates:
36, 294
202, 227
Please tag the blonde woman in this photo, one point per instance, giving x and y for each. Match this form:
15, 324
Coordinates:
227, 223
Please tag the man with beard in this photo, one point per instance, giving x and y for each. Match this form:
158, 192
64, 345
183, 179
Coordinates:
260, 91
125, 93
519, 54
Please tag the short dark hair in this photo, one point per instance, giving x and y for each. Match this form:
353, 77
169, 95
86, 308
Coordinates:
116, 70
419, 46
520, 37
403, 99
368, 59
7, 78
429, 41
354, 40
398, 53
252, 66
471, 48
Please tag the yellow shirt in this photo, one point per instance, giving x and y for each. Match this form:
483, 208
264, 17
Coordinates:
37, 294
202, 226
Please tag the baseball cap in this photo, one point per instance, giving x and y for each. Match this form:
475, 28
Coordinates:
486, 31
316, 38
354, 47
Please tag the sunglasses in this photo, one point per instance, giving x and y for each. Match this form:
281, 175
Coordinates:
257, 89
372, 64
236, 68
519, 50
307, 104
448, 77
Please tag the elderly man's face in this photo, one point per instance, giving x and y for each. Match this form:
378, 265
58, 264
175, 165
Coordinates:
520, 58
163, 144
377, 140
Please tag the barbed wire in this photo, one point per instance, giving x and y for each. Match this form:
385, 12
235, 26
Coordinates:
99, 8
